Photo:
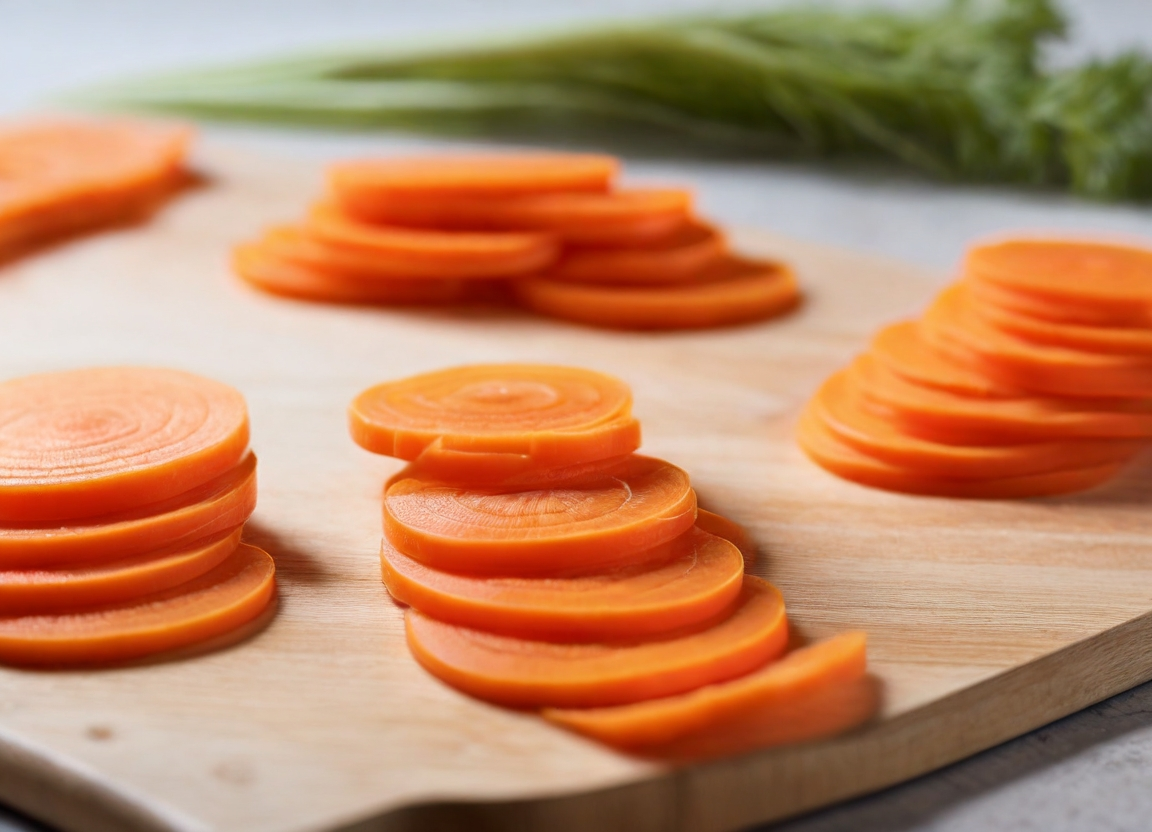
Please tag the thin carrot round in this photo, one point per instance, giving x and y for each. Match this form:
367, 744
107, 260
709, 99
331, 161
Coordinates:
735, 291
733, 532
502, 470
556, 415
594, 521
217, 505
522, 673
901, 349
697, 580
683, 256
1114, 340
1056, 311
82, 443
217, 602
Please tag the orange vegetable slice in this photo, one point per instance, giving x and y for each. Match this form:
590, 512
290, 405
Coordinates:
523, 673
733, 291
731, 531
1103, 339
556, 415
696, 581
598, 520
503, 470
229, 595
83, 443
811, 693
682, 256
221, 503
1048, 309
901, 349
72, 588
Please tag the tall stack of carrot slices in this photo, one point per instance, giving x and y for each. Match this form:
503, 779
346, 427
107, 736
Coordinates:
552, 228
548, 566
123, 494
59, 177
1030, 376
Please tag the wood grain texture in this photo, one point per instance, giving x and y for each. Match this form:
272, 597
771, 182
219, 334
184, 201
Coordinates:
986, 619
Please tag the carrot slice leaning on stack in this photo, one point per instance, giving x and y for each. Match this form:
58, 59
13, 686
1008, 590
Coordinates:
123, 493
578, 580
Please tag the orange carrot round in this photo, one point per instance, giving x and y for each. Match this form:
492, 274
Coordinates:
83, 443
510, 471
1103, 339
683, 256
901, 349
523, 673
1053, 310
731, 531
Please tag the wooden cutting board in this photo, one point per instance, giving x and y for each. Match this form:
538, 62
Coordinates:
986, 619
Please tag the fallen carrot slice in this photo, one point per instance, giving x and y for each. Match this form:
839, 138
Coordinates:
731, 531
682, 256
841, 407
733, 291
598, 520
215, 603
73, 588
479, 176
697, 581
556, 415
810, 693
901, 349
406, 252
1056, 311
523, 673
830, 452
1103, 339
83, 443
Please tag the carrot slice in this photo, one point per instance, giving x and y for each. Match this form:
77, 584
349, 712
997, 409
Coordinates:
987, 293
734, 291
681, 256
523, 673
901, 349
699, 579
616, 218
831, 453
502, 470
731, 531
810, 693
556, 415
601, 519
407, 252
481, 176
841, 407
1129, 341
71, 588
221, 503
231, 594
83, 443
268, 271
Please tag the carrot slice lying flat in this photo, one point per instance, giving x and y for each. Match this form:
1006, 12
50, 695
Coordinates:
556, 415
699, 579
597, 520
77, 587
215, 603
681, 256
524, 673
83, 443
219, 504
1103, 339
731, 531
733, 291
501, 470
1057, 311
812, 692
901, 349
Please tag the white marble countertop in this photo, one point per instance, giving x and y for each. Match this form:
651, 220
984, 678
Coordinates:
1090, 771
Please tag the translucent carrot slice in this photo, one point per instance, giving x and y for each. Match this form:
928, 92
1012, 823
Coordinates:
72, 588
598, 520
901, 349
83, 443
215, 603
1112, 340
731, 531
406, 252
831, 453
810, 693
733, 291
523, 673
556, 415
696, 580
682, 256
220, 504
488, 175
1057, 311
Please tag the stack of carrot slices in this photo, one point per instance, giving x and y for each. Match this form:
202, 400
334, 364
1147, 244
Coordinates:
1030, 376
548, 566
550, 230
64, 176
123, 493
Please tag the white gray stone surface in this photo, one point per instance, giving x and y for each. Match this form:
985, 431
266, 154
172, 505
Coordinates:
1092, 771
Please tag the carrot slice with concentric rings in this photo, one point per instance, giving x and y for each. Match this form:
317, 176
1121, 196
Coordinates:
82, 443
596, 520
683, 256
523, 673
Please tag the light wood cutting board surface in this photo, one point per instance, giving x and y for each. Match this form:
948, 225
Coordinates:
985, 619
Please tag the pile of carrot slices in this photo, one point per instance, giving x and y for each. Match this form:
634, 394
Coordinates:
550, 231
1030, 376
123, 494
59, 177
548, 566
